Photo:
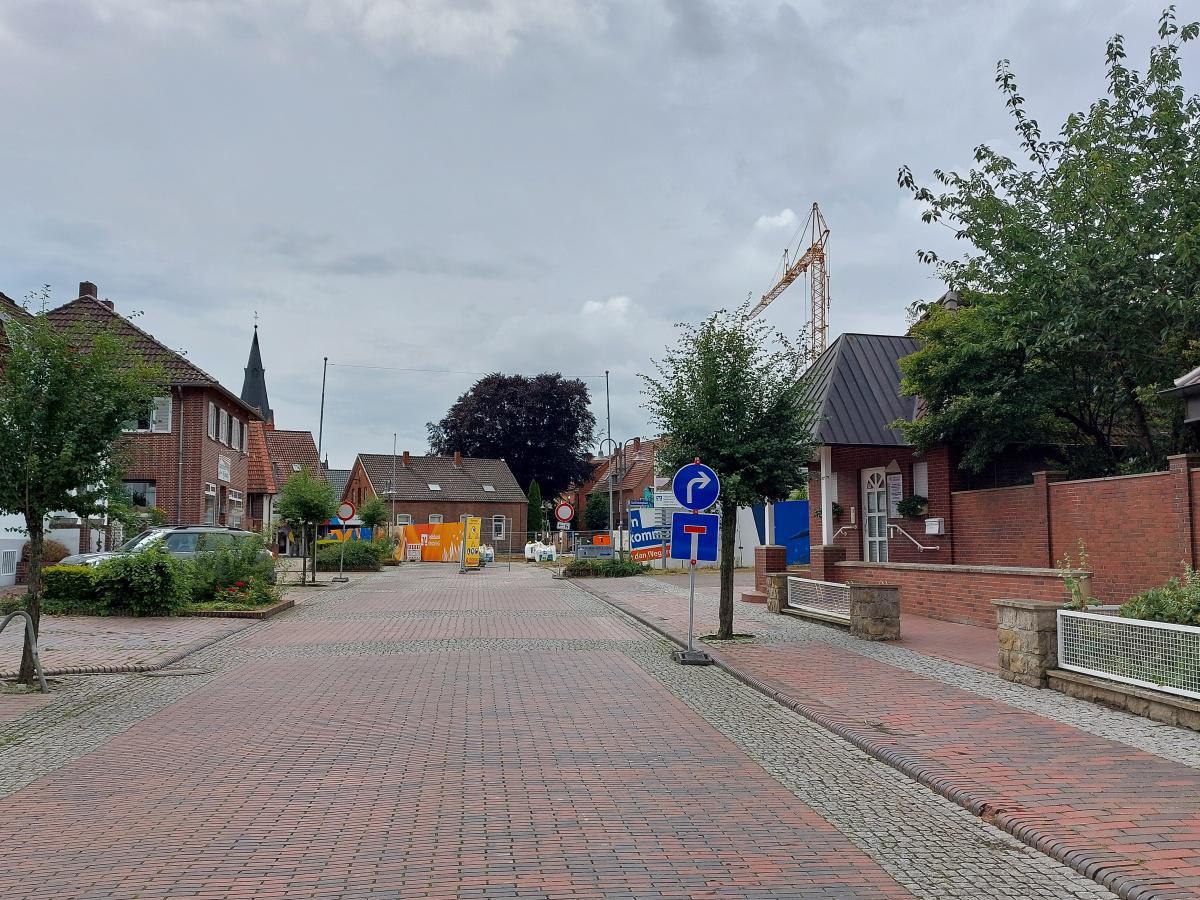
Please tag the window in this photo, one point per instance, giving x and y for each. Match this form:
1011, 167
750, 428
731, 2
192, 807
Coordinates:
435, 519
433, 486
236, 434
158, 419
497, 528
489, 488
403, 519
224, 438
8, 562
236, 508
295, 467
921, 479
141, 493
184, 542
210, 504
212, 421
245, 438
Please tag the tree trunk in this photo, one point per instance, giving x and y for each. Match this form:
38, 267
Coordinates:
33, 595
728, 531
1139, 417
314, 553
303, 554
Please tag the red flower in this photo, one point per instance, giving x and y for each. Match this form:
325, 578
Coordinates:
241, 584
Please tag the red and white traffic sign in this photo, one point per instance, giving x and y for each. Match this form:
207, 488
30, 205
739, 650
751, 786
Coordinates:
346, 511
564, 511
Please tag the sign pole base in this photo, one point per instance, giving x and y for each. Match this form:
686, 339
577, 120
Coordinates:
691, 656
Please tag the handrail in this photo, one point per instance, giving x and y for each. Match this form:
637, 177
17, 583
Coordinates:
919, 545
32, 638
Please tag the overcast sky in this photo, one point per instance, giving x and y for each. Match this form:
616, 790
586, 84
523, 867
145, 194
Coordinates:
480, 185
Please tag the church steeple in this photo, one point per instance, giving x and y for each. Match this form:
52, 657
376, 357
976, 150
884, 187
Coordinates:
254, 386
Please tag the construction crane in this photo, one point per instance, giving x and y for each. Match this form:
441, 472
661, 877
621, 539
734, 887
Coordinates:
814, 262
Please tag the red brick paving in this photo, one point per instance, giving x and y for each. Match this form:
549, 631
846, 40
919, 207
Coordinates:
444, 628
1138, 812
448, 774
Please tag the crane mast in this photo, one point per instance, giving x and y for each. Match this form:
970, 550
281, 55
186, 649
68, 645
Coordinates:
814, 262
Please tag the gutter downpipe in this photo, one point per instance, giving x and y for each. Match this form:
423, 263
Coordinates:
179, 461
826, 497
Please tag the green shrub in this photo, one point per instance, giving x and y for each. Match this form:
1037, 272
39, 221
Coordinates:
1177, 602
327, 542
603, 568
361, 556
242, 595
217, 570
71, 590
148, 583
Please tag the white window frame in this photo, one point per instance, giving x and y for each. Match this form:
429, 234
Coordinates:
8, 562
436, 519
920, 485
502, 521
404, 519
232, 499
245, 436
224, 438
210, 490
874, 521
212, 421
235, 432
434, 485
489, 488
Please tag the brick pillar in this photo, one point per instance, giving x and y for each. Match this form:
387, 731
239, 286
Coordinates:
1027, 632
777, 591
875, 611
1044, 528
822, 559
1180, 467
767, 560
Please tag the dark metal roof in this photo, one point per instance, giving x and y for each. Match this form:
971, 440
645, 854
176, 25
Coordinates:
338, 479
456, 483
854, 387
254, 383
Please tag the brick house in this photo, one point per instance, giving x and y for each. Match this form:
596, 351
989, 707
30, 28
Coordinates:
637, 478
189, 456
433, 489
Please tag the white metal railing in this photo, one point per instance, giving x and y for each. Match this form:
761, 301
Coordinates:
820, 596
894, 528
1156, 655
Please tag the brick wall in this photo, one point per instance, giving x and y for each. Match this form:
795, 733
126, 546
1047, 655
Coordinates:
1001, 527
155, 457
955, 593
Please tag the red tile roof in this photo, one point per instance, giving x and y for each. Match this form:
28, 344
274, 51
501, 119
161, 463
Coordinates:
259, 476
290, 451
89, 314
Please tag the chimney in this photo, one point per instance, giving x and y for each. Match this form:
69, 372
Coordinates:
406, 459
107, 304
87, 289
457, 459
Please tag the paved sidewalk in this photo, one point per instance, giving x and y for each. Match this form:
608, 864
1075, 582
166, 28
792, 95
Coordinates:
1123, 814
424, 734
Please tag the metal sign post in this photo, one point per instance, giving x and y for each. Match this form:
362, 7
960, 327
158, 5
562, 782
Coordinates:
345, 512
694, 537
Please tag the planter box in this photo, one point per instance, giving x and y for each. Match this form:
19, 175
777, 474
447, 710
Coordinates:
1156, 655
264, 613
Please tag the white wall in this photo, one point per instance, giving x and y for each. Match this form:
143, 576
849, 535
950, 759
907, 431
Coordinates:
12, 537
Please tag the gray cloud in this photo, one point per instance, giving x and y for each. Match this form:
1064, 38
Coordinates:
467, 185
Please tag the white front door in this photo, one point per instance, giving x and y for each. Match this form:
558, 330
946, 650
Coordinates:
875, 509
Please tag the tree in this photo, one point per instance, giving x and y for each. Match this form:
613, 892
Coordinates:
540, 426
65, 398
304, 503
537, 511
730, 393
373, 513
1079, 298
595, 514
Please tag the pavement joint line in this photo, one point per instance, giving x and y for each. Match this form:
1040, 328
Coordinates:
1087, 861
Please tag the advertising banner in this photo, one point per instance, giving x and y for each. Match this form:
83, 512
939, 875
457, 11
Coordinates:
645, 537
471, 542
438, 543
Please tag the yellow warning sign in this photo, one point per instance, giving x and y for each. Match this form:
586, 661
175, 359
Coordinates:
471, 542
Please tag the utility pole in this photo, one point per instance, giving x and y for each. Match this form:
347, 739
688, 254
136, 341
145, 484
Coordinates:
321, 422
608, 415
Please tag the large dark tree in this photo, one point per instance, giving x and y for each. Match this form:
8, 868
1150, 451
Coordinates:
1080, 290
540, 426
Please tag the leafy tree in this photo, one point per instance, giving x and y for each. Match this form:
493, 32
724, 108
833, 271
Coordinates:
373, 513
595, 514
1079, 298
540, 426
304, 503
731, 394
65, 397
537, 511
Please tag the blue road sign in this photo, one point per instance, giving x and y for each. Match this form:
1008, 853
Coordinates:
696, 486
694, 536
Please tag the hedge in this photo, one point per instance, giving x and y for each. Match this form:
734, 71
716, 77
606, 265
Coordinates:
361, 556
602, 568
148, 583
71, 590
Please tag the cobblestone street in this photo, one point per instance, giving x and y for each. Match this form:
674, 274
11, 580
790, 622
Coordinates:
424, 734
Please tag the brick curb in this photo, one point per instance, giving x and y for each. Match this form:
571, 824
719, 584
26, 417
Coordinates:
259, 614
1108, 870
169, 660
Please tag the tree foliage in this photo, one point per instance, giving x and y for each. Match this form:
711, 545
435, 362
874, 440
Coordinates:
1080, 295
373, 513
537, 509
540, 426
595, 514
304, 503
730, 392
65, 398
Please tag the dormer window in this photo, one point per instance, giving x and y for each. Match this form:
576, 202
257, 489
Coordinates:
489, 488
295, 467
434, 486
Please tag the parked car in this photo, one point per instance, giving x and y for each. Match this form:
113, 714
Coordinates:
183, 541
